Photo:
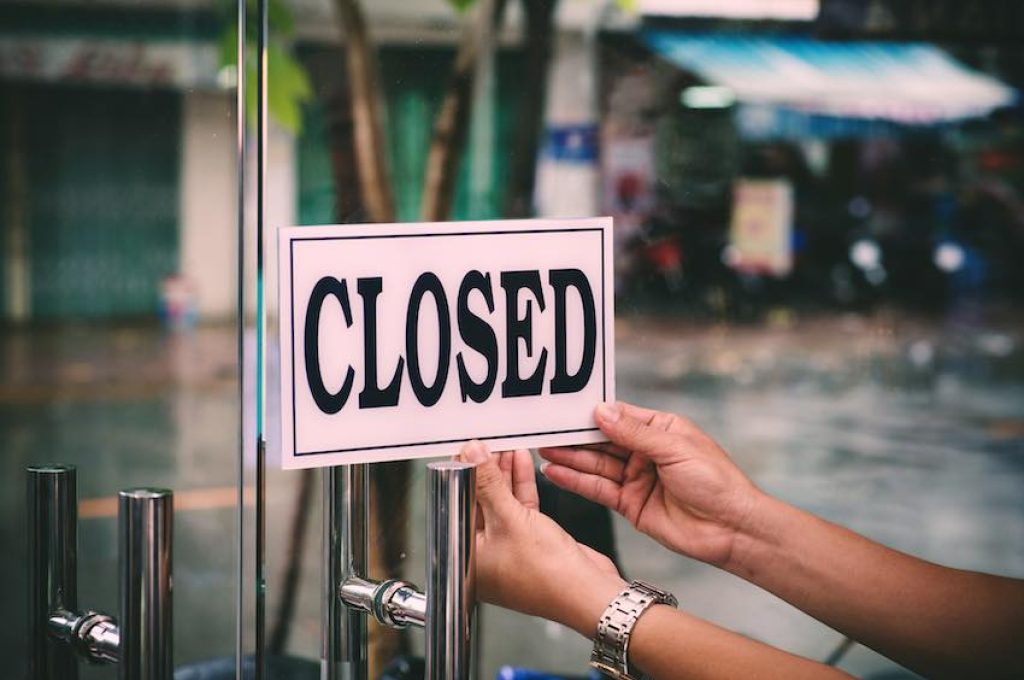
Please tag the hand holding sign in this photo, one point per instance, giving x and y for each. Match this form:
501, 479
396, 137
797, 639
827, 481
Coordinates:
525, 561
664, 475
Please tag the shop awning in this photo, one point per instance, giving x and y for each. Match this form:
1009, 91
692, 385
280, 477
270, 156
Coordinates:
901, 83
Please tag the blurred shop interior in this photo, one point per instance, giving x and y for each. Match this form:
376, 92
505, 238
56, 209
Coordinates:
819, 225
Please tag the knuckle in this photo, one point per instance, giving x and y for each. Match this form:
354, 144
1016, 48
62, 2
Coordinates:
663, 421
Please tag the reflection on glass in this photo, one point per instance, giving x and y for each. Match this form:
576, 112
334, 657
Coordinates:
818, 230
815, 236
118, 293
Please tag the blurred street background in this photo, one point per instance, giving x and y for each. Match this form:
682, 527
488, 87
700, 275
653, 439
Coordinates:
819, 219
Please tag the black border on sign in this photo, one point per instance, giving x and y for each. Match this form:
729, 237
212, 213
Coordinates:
502, 232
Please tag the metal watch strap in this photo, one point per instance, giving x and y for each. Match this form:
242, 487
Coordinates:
611, 643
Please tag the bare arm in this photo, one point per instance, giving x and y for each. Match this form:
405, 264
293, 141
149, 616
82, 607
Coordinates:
676, 484
668, 643
939, 621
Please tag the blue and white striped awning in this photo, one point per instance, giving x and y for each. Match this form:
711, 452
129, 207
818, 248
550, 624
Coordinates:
901, 83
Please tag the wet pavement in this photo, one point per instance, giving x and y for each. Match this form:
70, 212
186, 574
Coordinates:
909, 431
129, 407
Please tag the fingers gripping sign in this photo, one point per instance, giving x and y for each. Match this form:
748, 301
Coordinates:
664, 475
495, 502
525, 561
636, 429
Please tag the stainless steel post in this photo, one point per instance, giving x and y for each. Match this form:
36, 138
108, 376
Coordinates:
451, 516
346, 526
52, 567
145, 526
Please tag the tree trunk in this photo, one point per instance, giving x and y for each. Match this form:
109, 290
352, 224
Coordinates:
539, 18
377, 194
368, 124
452, 123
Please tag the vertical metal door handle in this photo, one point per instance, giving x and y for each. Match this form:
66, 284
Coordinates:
451, 519
52, 568
145, 527
445, 611
346, 520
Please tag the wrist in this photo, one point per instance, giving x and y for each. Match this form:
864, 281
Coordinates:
588, 599
612, 654
756, 536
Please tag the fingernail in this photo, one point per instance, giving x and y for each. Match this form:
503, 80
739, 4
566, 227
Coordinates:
475, 452
608, 411
544, 465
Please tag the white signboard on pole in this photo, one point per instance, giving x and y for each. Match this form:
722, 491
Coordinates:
761, 233
406, 340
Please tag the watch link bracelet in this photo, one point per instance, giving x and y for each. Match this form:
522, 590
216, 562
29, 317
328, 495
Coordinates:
611, 644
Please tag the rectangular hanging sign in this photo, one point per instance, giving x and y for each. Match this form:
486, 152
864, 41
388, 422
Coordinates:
406, 340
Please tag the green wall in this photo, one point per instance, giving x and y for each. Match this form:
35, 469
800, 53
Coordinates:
414, 79
102, 199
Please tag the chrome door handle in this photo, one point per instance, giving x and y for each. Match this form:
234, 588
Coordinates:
445, 611
140, 642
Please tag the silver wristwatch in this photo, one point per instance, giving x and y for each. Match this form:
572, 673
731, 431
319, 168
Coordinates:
611, 644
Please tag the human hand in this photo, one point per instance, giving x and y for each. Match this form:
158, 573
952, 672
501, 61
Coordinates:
524, 560
664, 475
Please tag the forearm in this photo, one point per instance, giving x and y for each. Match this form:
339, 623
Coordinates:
939, 621
668, 644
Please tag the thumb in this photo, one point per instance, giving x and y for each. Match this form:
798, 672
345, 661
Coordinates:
632, 433
493, 494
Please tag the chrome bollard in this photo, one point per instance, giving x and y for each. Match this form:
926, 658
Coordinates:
346, 520
451, 597
145, 527
52, 567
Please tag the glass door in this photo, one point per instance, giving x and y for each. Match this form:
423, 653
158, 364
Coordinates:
832, 291
357, 96
118, 187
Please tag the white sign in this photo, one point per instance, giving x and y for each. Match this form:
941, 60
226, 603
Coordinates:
761, 233
406, 340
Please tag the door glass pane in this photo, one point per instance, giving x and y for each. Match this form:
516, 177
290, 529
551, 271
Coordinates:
118, 294
825, 282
